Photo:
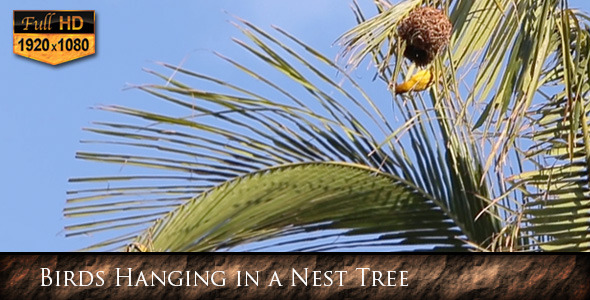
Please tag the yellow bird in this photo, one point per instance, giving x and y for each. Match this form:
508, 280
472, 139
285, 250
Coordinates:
419, 82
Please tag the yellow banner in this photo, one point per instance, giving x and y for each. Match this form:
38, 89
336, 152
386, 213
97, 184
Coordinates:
54, 48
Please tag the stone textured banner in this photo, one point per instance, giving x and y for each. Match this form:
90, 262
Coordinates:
290, 276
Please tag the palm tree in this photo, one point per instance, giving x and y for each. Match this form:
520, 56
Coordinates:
494, 156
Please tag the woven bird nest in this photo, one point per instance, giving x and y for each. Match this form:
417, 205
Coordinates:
426, 31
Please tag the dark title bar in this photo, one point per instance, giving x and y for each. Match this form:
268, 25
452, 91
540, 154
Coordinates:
289, 276
53, 21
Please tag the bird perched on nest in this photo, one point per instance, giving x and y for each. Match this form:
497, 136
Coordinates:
419, 82
426, 32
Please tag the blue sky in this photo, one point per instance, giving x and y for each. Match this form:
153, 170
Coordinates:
45, 107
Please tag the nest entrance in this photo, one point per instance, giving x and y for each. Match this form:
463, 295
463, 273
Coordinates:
417, 55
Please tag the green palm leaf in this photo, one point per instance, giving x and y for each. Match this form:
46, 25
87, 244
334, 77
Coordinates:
264, 203
557, 214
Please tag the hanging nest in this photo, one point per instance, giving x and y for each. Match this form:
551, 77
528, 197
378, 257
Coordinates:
426, 31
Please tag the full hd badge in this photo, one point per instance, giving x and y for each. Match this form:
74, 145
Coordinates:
54, 36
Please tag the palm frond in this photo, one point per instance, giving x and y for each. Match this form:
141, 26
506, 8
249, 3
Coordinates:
263, 204
235, 132
298, 155
557, 213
